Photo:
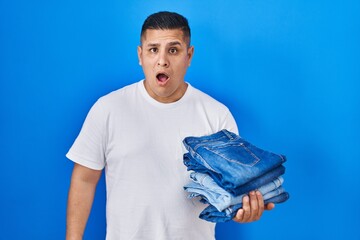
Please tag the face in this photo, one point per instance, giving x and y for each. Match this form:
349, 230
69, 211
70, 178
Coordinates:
165, 56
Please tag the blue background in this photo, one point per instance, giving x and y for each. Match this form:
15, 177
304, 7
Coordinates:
288, 70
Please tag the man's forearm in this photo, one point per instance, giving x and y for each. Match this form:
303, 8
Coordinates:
80, 199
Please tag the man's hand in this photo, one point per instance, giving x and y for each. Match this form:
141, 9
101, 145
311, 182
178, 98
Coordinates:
253, 208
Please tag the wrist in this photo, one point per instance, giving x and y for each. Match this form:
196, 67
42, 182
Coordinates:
72, 236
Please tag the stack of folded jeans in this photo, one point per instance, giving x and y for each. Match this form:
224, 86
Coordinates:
225, 168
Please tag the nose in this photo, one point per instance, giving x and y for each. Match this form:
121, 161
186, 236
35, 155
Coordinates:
163, 60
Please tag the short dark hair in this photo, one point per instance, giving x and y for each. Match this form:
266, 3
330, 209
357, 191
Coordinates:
166, 21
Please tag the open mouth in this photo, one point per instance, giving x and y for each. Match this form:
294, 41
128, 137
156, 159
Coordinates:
162, 78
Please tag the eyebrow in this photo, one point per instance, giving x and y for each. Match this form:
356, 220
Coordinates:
174, 43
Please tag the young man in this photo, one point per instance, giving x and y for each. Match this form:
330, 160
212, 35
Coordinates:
136, 134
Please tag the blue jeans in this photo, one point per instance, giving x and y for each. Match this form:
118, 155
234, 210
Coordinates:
259, 181
193, 165
204, 186
232, 160
211, 214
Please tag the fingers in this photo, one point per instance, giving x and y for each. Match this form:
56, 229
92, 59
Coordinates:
239, 216
243, 214
247, 208
269, 206
253, 208
256, 206
261, 205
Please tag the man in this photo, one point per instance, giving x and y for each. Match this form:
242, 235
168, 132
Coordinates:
136, 134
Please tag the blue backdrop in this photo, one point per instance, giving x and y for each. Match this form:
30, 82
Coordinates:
288, 70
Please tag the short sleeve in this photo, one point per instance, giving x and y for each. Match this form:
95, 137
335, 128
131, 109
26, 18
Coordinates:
229, 123
89, 147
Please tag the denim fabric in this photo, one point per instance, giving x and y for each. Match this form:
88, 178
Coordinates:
205, 187
212, 215
274, 193
259, 181
222, 136
209, 140
233, 159
193, 165
220, 201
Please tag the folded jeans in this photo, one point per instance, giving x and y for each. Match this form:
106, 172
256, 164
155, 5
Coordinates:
193, 165
234, 160
204, 186
211, 214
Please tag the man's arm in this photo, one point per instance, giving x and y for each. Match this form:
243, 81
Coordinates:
80, 199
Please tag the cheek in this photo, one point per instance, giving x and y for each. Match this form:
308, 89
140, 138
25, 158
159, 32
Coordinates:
147, 61
186, 62
147, 67
183, 67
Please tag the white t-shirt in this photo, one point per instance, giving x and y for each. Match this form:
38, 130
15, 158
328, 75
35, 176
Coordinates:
139, 142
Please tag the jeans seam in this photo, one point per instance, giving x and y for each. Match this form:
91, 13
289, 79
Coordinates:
257, 159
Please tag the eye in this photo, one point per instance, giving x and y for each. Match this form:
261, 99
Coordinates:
172, 50
153, 50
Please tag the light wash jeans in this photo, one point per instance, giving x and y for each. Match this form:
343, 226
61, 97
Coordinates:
205, 187
211, 214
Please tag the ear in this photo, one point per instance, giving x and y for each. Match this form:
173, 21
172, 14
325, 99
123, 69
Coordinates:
139, 52
190, 53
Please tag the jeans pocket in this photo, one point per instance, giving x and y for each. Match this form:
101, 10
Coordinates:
232, 153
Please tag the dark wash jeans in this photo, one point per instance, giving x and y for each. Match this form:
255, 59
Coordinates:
229, 159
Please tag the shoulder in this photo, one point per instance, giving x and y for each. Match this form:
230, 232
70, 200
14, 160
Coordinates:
124, 92
216, 114
206, 100
117, 99
119, 96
